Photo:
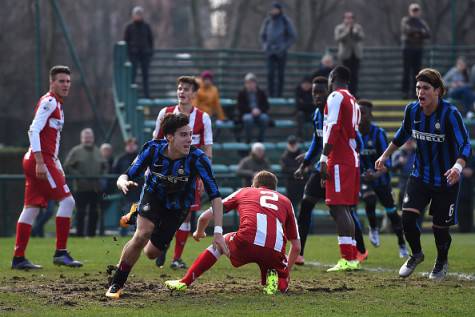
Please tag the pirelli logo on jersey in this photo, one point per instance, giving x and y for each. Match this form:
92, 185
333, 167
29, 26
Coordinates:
369, 152
423, 136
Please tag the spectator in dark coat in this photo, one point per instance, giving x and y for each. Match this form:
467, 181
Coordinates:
252, 105
255, 162
290, 164
139, 38
326, 66
277, 35
303, 104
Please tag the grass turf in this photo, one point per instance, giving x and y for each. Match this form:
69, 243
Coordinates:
375, 291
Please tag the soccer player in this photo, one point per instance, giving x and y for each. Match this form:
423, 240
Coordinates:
167, 195
44, 175
377, 184
313, 189
339, 164
267, 221
200, 123
443, 148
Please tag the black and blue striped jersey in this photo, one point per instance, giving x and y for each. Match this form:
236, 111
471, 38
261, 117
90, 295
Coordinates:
173, 181
374, 144
441, 138
317, 141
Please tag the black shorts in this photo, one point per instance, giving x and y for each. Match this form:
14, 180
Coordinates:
313, 187
443, 201
384, 194
167, 221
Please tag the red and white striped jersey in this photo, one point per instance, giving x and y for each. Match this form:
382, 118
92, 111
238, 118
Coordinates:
340, 126
45, 130
266, 217
200, 123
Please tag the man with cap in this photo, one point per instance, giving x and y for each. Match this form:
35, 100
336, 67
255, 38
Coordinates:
414, 31
277, 34
139, 38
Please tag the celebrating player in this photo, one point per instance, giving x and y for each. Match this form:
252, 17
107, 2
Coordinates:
267, 221
377, 184
44, 175
443, 148
168, 193
339, 164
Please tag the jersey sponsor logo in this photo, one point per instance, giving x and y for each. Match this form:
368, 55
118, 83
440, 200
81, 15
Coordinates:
319, 133
424, 136
368, 152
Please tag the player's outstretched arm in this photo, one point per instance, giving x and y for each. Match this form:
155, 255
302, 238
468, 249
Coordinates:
123, 183
203, 222
218, 240
294, 251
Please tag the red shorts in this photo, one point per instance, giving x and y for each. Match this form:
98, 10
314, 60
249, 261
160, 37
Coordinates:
243, 252
39, 191
197, 203
342, 185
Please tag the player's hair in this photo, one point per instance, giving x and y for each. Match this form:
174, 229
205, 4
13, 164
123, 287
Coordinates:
265, 179
189, 80
341, 74
365, 103
321, 83
172, 122
58, 69
433, 77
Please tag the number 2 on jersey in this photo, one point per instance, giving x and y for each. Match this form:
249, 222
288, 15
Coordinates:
267, 197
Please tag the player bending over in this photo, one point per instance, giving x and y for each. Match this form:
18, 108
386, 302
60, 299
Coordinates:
267, 221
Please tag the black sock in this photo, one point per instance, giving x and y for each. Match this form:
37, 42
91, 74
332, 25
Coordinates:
121, 274
18, 259
60, 252
358, 232
442, 242
371, 211
397, 227
411, 231
305, 217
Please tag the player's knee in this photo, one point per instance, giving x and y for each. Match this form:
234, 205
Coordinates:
28, 215
66, 206
213, 251
141, 238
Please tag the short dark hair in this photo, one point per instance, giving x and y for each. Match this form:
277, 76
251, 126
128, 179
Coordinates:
341, 74
172, 122
365, 103
58, 69
189, 80
320, 84
265, 179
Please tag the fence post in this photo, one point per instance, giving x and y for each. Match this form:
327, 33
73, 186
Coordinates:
140, 125
132, 108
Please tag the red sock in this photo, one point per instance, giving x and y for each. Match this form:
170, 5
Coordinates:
180, 241
202, 264
346, 248
62, 232
23, 231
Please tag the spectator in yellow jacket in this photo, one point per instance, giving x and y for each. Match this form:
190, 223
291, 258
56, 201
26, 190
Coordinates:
207, 98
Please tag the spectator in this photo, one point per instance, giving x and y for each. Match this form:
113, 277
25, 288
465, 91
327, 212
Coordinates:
458, 83
85, 160
252, 105
349, 36
414, 31
277, 35
107, 184
255, 162
303, 104
290, 164
207, 98
139, 38
120, 166
326, 66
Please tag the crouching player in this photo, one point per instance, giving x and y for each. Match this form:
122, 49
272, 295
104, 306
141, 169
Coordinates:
167, 195
267, 221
